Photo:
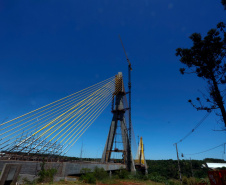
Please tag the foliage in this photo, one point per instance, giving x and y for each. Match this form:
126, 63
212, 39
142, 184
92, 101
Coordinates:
100, 173
212, 160
160, 171
168, 169
164, 168
172, 182
27, 182
46, 175
122, 174
136, 176
109, 181
206, 59
85, 170
157, 178
189, 181
88, 178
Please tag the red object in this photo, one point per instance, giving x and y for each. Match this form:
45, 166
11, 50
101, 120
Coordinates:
217, 177
223, 176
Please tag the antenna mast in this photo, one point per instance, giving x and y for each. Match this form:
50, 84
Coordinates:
130, 123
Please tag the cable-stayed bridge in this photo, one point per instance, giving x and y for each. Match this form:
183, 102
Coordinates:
54, 128
51, 131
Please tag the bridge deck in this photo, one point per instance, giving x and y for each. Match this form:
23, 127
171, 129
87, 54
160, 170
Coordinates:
63, 168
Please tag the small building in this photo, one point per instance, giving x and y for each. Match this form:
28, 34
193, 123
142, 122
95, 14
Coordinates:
216, 165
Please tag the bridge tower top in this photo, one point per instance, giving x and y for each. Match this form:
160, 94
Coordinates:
119, 87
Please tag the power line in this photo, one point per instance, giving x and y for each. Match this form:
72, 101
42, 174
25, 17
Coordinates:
196, 126
207, 150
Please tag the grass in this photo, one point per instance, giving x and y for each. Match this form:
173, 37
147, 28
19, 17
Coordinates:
107, 181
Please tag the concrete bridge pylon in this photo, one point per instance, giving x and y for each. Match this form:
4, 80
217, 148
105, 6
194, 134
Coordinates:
118, 120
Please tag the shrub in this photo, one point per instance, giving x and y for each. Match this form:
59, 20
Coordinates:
85, 170
27, 182
88, 178
157, 178
100, 173
139, 176
46, 175
133, 176
171, 182
121, 174
192, 181
184, 180
116, 176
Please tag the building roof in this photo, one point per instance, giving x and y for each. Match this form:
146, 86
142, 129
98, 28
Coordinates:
216, 165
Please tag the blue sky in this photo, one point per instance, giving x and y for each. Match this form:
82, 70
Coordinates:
50, 49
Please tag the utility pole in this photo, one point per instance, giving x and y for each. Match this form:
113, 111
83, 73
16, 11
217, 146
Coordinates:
178, 164
81, 152
224, 148
191, 168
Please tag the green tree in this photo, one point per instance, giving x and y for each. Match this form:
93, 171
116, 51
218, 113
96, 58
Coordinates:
206, 58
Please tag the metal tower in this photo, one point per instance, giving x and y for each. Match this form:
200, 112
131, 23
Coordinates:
118, 111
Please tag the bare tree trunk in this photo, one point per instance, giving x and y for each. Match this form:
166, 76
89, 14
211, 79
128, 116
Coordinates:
219, 99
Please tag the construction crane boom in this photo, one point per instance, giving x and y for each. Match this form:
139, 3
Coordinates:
125, 53
129, 157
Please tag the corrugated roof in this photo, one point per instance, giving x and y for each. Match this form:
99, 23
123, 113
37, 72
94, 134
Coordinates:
216, 165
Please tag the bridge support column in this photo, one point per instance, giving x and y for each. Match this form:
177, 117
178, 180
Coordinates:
118, 118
